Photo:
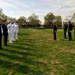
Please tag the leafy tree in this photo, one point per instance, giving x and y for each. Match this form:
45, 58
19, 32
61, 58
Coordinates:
73, 19
21, 21
48, 19
11, 19
58, 20
33, 20
2, 15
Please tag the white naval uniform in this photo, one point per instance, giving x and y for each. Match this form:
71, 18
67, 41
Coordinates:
16, 31
10, 33
13, 32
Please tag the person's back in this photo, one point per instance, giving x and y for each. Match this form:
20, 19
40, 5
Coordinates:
65, 26
65, 29
5, 30
54, 30
70, 27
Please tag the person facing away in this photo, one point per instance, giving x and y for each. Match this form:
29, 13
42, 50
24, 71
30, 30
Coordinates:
70, 27
54, 30
0, 35
5, 32
65, 29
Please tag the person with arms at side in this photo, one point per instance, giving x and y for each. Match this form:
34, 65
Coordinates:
65, 29
16, 30
54, 30
70, 27
5, 32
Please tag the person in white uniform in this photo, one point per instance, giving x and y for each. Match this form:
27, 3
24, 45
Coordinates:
9, 26
16, 28
13, 31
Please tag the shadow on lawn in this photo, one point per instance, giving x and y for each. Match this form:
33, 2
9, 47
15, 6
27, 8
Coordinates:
23, 64
19, 59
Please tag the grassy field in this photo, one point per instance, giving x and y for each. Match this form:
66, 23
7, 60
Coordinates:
36, 53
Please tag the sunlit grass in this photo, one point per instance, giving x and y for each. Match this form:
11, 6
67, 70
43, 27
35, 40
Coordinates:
36, 53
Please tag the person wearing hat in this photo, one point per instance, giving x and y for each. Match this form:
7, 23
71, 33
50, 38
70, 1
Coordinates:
0, 35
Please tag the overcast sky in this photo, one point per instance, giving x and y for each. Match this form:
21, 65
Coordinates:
17, 8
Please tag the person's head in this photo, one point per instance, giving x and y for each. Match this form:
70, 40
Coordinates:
12, 22
69, 22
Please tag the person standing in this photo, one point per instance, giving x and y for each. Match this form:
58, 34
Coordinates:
65, 29
54, 30
13, 31
5, 32
70, 27
9, 32
0, 35
16, 31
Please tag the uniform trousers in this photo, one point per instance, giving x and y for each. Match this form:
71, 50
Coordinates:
70, 35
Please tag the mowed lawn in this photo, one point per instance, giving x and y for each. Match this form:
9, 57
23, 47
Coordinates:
36, 53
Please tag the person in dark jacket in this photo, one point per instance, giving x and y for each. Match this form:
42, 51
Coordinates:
5, 32
0, 35
70, 27
65, 29
54, 30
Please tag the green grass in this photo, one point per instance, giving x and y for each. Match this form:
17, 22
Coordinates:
36, 53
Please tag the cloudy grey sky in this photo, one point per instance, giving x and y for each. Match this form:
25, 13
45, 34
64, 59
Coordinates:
17, 8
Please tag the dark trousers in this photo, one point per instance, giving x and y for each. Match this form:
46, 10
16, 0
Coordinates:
5, 39
64, 34
69, 35
54, 35
0, 41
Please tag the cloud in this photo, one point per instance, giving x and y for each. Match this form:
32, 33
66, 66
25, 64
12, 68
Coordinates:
71, 3
41, 7
6, 4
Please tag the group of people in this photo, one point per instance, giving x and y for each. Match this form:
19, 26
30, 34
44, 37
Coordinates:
8, 31
67, 29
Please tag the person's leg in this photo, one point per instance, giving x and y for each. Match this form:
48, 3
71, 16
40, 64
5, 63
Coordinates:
54, 35
70, 36
16, 35
64, 34
5, 40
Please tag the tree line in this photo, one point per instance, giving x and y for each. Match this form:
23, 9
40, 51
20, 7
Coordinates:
33, 22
